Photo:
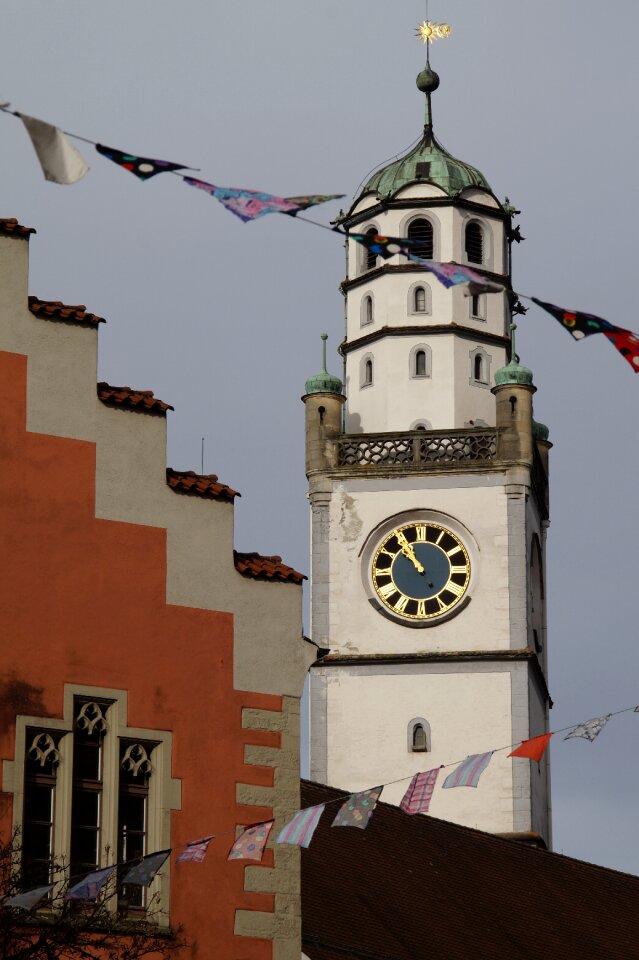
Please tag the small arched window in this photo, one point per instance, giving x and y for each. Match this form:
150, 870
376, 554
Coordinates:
480, 363
420, 300
368, 309
478, 368
420, 363
419, 740
366, 371
370, 258
421, 231
474, 242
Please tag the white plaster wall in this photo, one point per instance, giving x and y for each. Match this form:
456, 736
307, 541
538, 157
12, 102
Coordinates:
468, 712
358, 507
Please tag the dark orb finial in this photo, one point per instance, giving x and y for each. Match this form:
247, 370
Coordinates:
427, 81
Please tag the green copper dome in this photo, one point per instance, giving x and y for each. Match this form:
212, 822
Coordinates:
324, 382
540, 431
513, 372
428, 162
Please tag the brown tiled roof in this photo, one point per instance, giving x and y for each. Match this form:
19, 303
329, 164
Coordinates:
201, 485
10, 226
56, 310
409, 888
141, 400
265, 568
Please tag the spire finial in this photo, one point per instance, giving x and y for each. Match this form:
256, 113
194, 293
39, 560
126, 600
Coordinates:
428, 81
324, 339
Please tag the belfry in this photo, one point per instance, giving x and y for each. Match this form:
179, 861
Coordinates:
428, 485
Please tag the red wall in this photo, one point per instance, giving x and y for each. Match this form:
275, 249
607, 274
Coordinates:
84, 601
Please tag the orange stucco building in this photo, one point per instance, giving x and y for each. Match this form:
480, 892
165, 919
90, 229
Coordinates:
133, 630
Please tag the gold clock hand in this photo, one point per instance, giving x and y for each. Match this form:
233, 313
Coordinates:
408, 550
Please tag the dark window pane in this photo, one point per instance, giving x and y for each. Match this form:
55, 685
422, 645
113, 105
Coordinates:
474, 243
422, 231
38, 803
86, 808
86, 759
371, 258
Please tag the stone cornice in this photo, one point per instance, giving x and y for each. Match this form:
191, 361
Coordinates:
424, 330
409, 203
388, 268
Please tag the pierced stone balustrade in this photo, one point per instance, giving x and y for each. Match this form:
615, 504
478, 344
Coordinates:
416, 448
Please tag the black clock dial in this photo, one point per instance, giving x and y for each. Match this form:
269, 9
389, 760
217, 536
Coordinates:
421, 571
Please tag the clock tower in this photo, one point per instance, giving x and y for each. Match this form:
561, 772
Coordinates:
429, 501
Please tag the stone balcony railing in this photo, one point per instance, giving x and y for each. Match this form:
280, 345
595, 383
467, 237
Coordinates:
416, 448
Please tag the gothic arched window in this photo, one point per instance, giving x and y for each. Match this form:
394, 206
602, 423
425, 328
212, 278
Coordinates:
421, 231
474, 242
419, 739
370, 258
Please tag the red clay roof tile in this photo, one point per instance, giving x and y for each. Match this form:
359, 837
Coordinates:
265, 568
56, 310
141, 400
10, 226
202, 485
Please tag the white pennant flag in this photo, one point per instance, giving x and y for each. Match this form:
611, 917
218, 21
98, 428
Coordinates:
59, 159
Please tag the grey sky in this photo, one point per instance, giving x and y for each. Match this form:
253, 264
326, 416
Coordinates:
222, 319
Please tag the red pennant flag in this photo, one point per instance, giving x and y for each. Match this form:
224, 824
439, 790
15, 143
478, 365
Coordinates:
533, 749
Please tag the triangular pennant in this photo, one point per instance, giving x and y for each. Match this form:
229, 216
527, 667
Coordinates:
589, 729
142, 167
143, 872
382, 246
452, 274
195, 851
312, 200
251, 842
418, 796
467, 774
578, 324
534, 748
90, 886
59, 159
245, 204
299, 831
28, 900
358, 809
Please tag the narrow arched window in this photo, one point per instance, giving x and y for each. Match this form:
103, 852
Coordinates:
422, 232
419, 738
474, 242
419, 300
478, 368
420, 363
368, 373
370, 261
368, 310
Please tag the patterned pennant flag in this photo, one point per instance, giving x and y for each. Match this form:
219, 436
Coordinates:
358, 809
467, 774
627, 343
28, 900
451, 274
533, 749
195, 851
303, 203
299, 831
418, 796
142, 167
578, 324
590, 729
143, 872
251, 842
59, 159
251, 204
89, 887
382, 246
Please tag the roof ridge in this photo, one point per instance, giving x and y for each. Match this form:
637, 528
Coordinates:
63, 312
128, 398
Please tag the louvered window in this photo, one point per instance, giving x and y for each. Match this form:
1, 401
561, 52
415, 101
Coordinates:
474, 243
422, 231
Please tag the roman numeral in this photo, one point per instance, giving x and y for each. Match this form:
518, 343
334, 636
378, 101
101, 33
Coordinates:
421, 608
454, 588
387, 553
458, 570
387, 590
420, 533
400, 606
453, 551
441, 604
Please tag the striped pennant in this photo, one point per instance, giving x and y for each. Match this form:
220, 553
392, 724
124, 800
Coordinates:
299, 831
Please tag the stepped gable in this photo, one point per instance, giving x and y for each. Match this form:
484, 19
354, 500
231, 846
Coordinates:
64, 313
143, 401
9, 226
412, 887
265, 568
198, 484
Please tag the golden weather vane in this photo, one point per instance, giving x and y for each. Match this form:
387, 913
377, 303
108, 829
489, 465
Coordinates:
429, 31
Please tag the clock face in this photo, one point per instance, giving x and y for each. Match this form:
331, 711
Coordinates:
421, 571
